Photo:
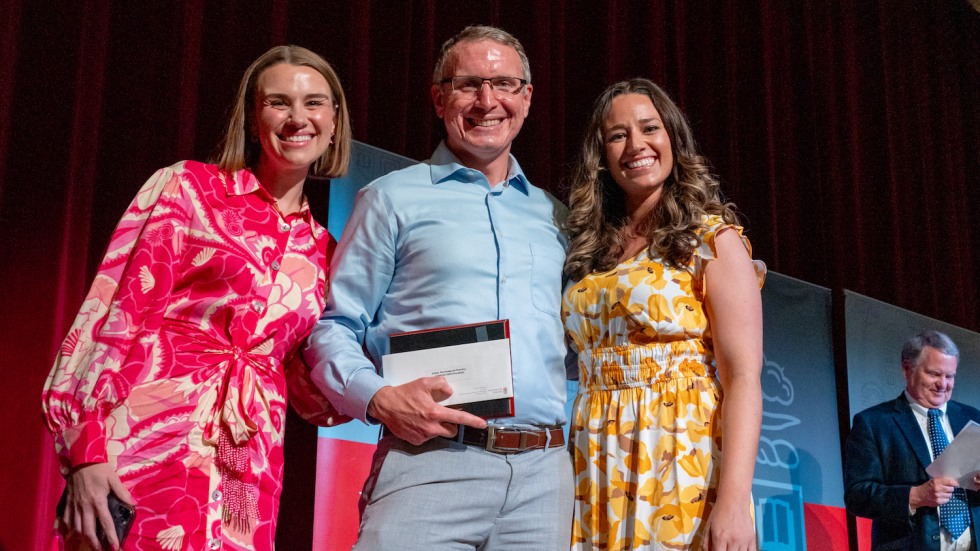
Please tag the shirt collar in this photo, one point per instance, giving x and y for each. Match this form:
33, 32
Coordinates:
921, 409
446, 166
243, 182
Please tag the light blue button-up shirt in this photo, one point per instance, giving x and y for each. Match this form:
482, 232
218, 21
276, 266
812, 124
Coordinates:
434, 245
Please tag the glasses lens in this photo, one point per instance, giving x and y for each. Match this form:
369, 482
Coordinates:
509, 85
467, 85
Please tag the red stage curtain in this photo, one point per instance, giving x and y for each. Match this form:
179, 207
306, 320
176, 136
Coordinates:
847, 133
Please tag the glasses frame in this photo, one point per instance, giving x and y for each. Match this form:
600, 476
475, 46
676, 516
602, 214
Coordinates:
495, 91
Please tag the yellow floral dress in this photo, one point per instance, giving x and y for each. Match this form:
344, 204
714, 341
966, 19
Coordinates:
646, 424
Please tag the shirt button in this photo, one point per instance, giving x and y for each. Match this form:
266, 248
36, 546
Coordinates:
214, 543
275, 265
258, 306
283, 226
216, 495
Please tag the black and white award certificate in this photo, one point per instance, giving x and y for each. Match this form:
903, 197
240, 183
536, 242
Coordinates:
475, 360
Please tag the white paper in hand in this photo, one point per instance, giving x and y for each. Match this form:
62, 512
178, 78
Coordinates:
961, 459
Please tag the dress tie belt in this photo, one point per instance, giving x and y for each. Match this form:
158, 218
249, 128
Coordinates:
230, 410
236, 399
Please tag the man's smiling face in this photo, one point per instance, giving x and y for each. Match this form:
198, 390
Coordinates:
480, 128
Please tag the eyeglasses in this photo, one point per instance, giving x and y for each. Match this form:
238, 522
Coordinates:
471, 85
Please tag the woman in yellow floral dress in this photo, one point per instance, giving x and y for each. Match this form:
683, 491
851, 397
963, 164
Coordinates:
664, 312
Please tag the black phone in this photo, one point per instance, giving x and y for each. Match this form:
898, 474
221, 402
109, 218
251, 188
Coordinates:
123, 516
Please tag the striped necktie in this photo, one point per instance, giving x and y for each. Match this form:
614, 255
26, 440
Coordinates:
953, 515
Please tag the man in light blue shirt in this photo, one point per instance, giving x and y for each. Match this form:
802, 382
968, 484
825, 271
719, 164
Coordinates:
463, 238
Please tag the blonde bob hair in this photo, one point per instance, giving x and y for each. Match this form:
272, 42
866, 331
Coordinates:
237, 151
597, 217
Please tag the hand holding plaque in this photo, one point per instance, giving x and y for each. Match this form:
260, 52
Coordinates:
474, 359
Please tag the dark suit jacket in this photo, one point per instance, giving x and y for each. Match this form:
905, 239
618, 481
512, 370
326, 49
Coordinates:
887, 455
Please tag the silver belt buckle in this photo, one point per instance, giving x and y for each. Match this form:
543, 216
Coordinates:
492, 440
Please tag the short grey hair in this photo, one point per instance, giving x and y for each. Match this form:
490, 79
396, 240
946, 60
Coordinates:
912, 350
474, 33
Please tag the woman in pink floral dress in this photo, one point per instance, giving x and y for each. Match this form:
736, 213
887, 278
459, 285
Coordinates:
170, 388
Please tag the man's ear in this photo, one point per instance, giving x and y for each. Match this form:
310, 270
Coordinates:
438, 101
527, 99
908, 368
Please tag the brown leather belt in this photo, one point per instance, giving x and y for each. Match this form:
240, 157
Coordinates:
512, 439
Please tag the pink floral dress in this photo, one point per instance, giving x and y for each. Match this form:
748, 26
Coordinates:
175, 369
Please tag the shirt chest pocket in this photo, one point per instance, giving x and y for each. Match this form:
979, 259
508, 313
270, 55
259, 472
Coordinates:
546, 276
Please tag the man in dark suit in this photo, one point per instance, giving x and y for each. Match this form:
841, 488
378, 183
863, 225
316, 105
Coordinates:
890, 446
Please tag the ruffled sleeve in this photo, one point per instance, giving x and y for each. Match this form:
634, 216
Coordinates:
706, 252
108, 346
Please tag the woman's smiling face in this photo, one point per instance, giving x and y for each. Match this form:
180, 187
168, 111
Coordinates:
638, 149
294, 116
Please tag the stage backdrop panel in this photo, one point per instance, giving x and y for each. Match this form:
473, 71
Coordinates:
876, 332
797, 489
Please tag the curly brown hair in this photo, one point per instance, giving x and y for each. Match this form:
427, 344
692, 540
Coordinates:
597, 217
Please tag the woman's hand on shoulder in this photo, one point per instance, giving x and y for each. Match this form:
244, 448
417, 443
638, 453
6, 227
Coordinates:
87, 504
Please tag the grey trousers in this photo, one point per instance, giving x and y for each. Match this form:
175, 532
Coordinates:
444, 495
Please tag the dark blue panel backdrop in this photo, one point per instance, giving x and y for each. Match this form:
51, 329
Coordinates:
799, 448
